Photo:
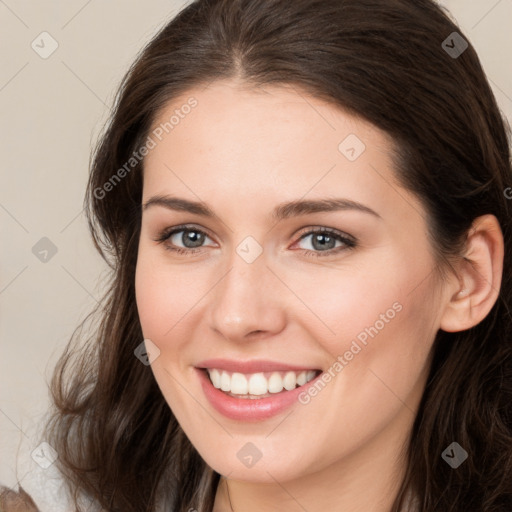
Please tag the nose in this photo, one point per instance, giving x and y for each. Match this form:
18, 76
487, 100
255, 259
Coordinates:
248, 302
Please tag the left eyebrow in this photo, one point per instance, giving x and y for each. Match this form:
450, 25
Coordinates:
303, 207
280, 212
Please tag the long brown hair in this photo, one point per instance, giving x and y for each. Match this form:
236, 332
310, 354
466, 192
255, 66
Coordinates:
385, 61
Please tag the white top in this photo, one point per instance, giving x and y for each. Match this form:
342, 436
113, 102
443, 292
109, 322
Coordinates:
47, 488
35, 470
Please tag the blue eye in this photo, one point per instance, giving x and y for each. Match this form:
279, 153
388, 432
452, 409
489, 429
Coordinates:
197, 237
324, 238
322, 241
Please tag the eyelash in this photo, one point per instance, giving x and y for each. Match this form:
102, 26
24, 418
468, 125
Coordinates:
350, 243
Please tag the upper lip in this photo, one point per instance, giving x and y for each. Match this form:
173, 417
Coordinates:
254, 366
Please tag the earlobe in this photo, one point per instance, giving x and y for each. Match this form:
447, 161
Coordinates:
480, 275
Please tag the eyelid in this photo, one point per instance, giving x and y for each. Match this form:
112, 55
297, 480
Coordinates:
349, 241
323, 229
166, 233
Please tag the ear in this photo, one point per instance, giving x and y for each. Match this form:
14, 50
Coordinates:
480, 275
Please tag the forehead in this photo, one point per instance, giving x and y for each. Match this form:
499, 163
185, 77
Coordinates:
268, 142
239, 109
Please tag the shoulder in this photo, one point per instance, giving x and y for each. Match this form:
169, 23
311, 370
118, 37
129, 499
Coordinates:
12, 501
41, 486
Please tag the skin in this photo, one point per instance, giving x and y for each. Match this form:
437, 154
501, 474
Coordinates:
244, 151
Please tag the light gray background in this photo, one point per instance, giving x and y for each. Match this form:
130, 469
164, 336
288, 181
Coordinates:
51, 112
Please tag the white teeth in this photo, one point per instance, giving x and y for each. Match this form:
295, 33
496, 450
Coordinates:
215, 376
302, 378
225, 382
256, 384
290, 381
239, 384
275, 383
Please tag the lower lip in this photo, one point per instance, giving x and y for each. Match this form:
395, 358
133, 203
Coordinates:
248, 409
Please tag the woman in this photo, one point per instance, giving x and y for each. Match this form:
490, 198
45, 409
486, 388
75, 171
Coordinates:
335, 336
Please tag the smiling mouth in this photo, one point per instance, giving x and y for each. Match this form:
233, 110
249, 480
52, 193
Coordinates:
260, 384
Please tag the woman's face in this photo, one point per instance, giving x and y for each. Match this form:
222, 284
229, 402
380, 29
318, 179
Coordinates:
258, 287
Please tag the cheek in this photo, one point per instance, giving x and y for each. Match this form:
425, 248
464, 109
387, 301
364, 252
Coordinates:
377, 371
163, 300
348, 304
152, 300
170, 303
377, 330
162, 296
382, 299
